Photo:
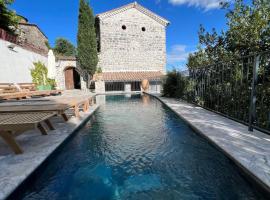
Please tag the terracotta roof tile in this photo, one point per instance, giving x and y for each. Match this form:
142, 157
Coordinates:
128, 76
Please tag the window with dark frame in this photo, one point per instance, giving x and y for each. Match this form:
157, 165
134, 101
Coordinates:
124, 27
143, 29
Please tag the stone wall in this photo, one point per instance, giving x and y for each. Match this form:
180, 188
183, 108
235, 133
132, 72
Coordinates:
16, 64
31, 36
132, 49
61, 65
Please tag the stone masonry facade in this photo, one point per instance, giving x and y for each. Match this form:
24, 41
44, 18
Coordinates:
31, 36
131, 41
61, 65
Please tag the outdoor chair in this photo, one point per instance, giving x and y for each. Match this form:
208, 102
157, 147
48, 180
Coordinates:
58, 105
23, 90
13, 124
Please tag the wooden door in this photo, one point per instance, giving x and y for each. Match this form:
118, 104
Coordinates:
69, 81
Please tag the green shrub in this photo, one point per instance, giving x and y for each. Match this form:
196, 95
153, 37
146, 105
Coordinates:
99, 70
175, 85
40, 75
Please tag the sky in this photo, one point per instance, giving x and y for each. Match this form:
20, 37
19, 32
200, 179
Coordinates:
59, 18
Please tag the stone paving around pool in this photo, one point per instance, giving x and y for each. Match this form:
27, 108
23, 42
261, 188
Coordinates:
249, 150
14, 169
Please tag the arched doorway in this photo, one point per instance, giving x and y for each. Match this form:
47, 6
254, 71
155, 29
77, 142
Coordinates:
72, 78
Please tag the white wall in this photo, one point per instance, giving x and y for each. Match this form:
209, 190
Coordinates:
15, 65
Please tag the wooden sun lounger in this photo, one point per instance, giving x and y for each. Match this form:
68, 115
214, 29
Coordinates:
13, 124
28, 94
15, 95
76, 103
58, 106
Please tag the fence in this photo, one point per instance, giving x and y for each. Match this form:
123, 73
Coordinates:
239, 89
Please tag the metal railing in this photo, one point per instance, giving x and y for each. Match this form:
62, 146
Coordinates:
238, 89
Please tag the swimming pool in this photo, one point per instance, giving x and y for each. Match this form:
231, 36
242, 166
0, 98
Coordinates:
134, 147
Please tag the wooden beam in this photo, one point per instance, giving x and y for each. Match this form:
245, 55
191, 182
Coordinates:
9, 139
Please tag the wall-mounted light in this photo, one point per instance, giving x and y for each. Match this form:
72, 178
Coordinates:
11, 46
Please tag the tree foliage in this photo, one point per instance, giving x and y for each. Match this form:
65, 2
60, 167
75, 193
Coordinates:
86, 39
175, 85
64, 48
40, 75
248, 32
8, 18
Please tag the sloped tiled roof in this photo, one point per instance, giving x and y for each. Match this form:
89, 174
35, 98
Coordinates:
72, 58
129, 76
140, 8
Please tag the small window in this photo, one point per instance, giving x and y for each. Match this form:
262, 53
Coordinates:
143, 29
124, 27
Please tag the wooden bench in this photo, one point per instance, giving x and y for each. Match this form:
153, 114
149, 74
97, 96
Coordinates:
13, 124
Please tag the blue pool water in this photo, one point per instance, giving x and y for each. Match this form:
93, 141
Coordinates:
136, 148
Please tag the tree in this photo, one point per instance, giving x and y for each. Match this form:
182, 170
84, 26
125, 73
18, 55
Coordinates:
8, 18
86, 39
248, 33
64, 48
175, 85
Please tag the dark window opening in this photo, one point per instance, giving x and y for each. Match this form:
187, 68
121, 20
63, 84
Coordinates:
114, 86
77, 79
143, 29
124, 27
136, 86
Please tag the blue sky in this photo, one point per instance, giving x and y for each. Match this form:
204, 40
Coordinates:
58, 18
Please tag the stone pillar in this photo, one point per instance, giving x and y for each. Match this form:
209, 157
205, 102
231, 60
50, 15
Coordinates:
100, 99
100, 87
127, 87
159, 88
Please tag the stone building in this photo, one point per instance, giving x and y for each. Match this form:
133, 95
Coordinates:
132, 47
69, 75
31, 37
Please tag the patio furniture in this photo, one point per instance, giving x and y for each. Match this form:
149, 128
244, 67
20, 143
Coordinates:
13, 124
28, 94
57, 105
6, 88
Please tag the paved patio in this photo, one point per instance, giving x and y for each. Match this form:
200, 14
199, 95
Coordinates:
16, 168
249, 150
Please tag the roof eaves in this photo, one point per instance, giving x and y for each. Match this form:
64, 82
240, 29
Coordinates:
140, 8
28, 24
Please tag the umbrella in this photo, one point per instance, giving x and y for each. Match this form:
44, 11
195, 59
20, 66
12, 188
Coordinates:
51, 65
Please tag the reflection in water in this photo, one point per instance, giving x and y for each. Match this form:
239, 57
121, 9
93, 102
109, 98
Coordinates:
128, 95
100, 99
145, 99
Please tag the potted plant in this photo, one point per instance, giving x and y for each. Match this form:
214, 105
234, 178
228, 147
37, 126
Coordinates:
99, 73
40, 77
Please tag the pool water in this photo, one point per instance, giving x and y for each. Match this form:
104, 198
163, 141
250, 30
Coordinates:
135, 148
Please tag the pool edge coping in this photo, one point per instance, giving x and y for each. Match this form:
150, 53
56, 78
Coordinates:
258, 181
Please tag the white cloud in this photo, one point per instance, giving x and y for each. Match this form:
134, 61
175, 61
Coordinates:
205, 4
177, 56
178, 53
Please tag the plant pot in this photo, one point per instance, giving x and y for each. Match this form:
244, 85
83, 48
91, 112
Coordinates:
44, 87
145, 85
